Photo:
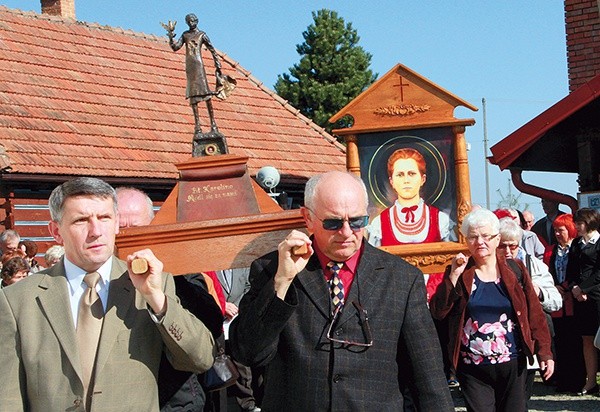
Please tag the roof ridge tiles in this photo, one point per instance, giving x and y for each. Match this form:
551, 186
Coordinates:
91, 25
297, 112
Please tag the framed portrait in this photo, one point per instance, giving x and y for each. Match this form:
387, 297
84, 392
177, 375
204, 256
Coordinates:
404, 141
436, 148
418, 188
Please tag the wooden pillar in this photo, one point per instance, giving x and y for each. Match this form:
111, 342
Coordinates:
463, 184
352, 160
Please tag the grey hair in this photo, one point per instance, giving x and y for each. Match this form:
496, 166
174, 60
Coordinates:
54, 253
478, 218
149, 203
510, 230
81, 186
310, 190
9, 234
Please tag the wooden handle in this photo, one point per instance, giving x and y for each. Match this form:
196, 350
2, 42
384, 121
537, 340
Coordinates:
139, 266
300, 250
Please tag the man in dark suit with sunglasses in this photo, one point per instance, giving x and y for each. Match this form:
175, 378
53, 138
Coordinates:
352, 345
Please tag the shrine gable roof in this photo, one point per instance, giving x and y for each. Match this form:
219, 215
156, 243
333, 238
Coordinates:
401, 99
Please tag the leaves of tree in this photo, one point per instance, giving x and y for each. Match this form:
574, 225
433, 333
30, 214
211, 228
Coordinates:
333, 69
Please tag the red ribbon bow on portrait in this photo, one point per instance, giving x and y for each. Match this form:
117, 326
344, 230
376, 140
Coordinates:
410, 213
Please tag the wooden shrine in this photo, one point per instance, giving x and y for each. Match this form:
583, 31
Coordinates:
404, 109
215, 218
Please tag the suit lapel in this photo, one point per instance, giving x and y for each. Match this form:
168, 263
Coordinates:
121, 298
313, 281
237, 284
365, 281
54, 300
224, 284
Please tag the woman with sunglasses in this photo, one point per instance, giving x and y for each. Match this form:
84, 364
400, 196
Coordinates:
583, 275
495, 321
543, 283
511, 235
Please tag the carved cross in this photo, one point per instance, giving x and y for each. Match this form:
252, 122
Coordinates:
401, 86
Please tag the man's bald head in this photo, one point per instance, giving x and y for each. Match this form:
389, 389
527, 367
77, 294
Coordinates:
135, 207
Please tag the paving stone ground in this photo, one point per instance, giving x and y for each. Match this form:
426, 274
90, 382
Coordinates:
545, 399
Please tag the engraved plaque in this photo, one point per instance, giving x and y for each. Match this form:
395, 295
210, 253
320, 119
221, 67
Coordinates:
215, 188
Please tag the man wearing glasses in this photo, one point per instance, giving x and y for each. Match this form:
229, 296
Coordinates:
338, 323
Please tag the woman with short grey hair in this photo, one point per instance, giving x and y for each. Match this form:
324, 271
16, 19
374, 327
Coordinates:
543, 283
491, 324
548, 295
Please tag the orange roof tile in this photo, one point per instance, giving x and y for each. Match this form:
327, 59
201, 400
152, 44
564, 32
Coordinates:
78, 98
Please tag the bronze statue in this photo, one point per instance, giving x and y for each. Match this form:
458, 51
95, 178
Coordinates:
198, 90
197, 83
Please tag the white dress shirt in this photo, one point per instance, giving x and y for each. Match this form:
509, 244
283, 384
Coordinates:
77, 286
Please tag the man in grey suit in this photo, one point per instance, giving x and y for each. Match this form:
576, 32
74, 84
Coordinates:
41, 361
345, 337
235, 284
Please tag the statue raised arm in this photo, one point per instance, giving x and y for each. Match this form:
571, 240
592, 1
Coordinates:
197, 82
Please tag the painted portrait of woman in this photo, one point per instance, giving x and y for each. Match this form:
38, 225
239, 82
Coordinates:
409, 219
409, 180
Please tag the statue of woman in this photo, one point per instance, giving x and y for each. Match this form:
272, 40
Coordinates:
197, 83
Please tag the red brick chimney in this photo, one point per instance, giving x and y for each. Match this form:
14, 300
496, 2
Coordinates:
62, 8
583, 40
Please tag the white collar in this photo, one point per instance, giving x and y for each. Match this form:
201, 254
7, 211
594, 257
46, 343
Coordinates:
419, 205
593, 239
75, 274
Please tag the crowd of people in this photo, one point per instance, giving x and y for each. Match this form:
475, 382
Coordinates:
327, 321
18, 258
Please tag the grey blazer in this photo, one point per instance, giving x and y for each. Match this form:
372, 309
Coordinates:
238, 287
306, 372
39, 360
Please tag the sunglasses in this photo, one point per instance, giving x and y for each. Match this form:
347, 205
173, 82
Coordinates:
511, 246
363, 318
355, 223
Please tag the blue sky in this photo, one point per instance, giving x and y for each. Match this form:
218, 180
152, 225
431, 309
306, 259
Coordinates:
510, 52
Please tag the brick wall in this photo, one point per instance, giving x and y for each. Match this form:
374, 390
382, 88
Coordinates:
63, 8
583, 40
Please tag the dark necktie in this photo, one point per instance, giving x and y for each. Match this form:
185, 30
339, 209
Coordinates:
89, 325
336, 285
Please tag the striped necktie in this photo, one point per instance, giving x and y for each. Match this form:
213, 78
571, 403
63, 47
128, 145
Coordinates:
336, 285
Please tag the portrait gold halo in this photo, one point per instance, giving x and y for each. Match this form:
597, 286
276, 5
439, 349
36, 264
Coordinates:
436, 166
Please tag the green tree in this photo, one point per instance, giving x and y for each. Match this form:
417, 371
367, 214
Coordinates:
332, 70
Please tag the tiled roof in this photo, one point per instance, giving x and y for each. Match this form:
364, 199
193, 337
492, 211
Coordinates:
86, 99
